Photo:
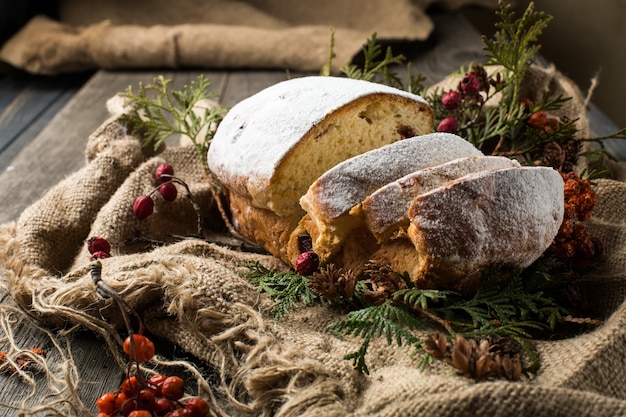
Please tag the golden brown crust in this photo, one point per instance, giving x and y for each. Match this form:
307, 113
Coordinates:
262, 226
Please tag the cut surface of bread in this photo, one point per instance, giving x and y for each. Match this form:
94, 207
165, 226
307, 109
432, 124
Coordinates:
502, 218
385, 211
271, 146
331, 197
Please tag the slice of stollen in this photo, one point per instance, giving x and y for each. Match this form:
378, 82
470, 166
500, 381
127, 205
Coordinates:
385, 211
503, 218
331, 197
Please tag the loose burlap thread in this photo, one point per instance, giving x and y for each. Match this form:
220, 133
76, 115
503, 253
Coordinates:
193, 293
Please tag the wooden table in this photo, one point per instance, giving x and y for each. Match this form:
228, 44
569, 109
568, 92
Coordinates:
44, 124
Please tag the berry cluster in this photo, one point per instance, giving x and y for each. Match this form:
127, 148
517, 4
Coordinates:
308, 261
573, 242
463, 105
144, 204
158, 396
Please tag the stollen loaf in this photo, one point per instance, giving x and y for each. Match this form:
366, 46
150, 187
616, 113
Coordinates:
272, 146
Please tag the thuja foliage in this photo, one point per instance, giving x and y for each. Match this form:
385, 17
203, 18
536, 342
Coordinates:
157, 112
519, 309
288, 289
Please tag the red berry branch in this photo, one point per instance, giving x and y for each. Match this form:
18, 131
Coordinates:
143, 206
157, 396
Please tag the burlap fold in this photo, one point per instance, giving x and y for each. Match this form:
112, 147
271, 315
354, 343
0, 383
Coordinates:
279, 34
193, 294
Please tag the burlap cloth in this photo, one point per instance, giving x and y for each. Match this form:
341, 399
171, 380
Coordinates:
192, 294
282, 34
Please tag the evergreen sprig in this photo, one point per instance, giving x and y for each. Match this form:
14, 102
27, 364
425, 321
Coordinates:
514, 46
519, 309
157, 113
389, 319
288, 289
381, 68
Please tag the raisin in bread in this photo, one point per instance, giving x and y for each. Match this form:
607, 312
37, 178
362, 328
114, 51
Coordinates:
385, 211
331, 198
271, 146
459, 231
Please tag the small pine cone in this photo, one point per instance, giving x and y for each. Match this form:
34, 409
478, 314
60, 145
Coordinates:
553, 155
571, 149
436, 345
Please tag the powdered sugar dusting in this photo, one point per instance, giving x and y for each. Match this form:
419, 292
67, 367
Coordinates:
389, 205
257, 133
348, 183
505, 217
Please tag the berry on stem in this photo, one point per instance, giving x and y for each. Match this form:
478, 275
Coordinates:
470, 84
98, 244
164, 172
448, 125
168, 191
451, 100
173, 388
144, 348
143, 206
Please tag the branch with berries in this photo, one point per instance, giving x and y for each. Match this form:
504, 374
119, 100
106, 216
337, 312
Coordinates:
138, 396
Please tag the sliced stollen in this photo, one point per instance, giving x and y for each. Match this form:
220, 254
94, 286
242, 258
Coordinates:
332, 196
271, 146
502, 218
385, 211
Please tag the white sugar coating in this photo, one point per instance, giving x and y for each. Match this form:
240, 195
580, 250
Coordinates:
254, 149
350, 182
386, 209
506, 217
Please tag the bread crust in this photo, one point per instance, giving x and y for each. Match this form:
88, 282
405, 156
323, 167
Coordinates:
503, 218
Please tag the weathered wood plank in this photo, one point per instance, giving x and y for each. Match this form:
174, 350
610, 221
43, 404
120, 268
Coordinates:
58, 150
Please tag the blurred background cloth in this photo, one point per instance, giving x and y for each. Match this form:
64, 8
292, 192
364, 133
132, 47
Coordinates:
78, 35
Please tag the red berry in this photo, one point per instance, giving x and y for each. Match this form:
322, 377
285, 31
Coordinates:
140, 413
198, 407
106, 403
470, 84
99, 255
163, 406
168, 191
144, 348
538, 120
130, 387
448, 125
98, 244
451, 100
143, 206
146, 399
155, 383
173, 388
164, 172
179, 412
307, 263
